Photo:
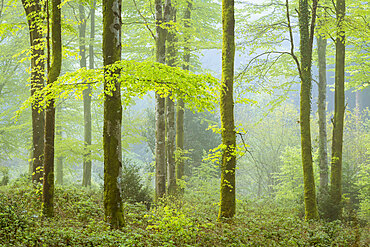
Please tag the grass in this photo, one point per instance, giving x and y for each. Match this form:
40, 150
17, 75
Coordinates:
79, 221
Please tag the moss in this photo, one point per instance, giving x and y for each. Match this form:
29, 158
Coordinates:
337, 144
305, 111
112, 115
227, 200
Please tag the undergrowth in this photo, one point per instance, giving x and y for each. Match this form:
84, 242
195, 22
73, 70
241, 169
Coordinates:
79, 221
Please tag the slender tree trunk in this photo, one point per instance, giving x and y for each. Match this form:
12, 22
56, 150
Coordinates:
59, 164
323, 155
160, 152
170, 111
337, 143
113, 206
86, 177
305, 112
34, 18
53, 73
180, 108
227, 204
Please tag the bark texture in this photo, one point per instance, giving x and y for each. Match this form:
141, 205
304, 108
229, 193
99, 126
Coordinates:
323, 155
227, 203
34, 18
337, 143
305, 111
113, 206
161, 13
56, 64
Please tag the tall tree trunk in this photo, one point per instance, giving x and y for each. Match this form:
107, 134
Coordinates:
227, 204
337, 143
112, 22
305, 111
53, 73
86, 177
86, 181
35, 19
160, 152
59, 164
180, 108
170, 110
323, 155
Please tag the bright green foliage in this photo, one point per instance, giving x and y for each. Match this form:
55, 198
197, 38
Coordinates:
136, 80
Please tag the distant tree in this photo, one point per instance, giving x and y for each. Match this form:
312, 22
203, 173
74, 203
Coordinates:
171, 53
180, 107
321, 108
228, 165
113, 206
323, 155
53, 74
34, 12
59, 156
86, 177
338, 122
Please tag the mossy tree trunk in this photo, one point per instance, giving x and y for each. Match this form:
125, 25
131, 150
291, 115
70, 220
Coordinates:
86, 177
113, 206
323, 155
337, 143
180, 107
53, 73
227, 203
161, 13
34, 13
170, 109
306, 40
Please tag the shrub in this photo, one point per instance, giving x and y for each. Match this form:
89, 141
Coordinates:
133, 190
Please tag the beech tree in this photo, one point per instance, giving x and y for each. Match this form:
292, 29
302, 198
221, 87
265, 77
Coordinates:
161, 16
53, 74
321, 103
171, 54
34, 12
228, 165
306, 31
180, 107
338, 123
113, 205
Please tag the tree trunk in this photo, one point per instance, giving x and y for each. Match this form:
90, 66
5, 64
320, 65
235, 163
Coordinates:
160, 152
113, 206
86, 177
56, 64
180, 108
59, 164
227, 204
34, 18
170, 111
337, 144
323, 155
305, 111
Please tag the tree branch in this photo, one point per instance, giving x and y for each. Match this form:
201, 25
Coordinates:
145, 21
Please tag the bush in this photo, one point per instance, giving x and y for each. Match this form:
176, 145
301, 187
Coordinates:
133, 190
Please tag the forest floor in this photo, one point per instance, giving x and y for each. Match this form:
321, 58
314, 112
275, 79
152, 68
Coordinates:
79, 221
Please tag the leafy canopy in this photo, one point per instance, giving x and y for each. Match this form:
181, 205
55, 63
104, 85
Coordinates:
136, 79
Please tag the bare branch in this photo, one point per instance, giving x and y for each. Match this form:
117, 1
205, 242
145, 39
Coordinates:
145, 21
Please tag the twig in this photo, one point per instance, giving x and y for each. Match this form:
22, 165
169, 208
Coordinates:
145, 21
